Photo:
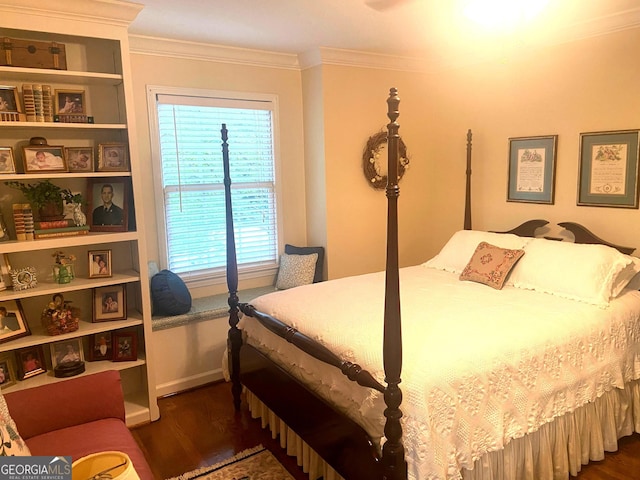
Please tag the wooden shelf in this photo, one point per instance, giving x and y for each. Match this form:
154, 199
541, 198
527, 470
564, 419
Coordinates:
90, 367
65, 126
27, 177
14, 246
59, 76
78, 283
40, 337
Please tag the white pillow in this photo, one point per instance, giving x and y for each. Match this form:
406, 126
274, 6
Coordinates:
625, 278
582, 272
457, 252
296, 270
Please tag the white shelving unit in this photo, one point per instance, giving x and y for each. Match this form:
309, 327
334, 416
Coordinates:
94, 33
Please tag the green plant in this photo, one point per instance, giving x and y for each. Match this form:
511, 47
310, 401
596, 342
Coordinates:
45, 192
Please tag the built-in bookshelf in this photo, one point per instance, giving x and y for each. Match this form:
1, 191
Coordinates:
95, 38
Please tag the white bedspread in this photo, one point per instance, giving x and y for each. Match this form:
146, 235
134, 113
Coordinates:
481, 366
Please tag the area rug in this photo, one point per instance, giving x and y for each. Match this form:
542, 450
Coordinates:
253, 464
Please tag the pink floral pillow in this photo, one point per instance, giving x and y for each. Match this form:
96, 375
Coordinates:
490, 265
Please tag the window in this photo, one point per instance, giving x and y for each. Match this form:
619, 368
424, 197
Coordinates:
188, 152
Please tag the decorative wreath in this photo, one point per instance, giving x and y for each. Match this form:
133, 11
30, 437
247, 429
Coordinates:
371, 160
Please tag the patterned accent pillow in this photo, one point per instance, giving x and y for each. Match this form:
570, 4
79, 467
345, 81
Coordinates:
490, 265
296, 270
11, 443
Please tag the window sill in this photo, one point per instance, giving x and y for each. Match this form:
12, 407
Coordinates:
207, 308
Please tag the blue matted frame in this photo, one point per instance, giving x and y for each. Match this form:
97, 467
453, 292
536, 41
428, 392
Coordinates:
532, 169
608, 173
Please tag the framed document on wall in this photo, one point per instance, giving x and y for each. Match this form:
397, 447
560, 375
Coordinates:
608, 175
532, 169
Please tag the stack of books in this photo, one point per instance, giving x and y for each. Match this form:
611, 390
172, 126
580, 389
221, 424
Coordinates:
59, 228
23, 220
38, 101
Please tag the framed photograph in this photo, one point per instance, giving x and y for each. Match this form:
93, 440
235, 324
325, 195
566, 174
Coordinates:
100, 264
608, 173
532, 169
7, 160
108, 204
113, 157
100, 347
79, 159
13, 323
66, 351
109, 303
44, 158
9, 100
125, 346
23, 278
69, 102
30, 362
7, 370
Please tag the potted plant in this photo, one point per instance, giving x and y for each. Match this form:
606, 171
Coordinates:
46, 198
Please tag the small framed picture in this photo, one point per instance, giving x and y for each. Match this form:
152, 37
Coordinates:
7, 370
23, 278
44, 158
100, 264
13, 323
113, 157
79, 159
108, 204
30, 362
109, 303
69, 102
100, 347
7, 161
125, 346
67, 351
9, 100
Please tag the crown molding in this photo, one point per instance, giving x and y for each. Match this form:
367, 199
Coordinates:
353, 58
144, 45
109, 12
164, 47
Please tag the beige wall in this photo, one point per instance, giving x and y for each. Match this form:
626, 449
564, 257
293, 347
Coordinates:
582, 86
202, 74
191, 355
354, 106
585, 86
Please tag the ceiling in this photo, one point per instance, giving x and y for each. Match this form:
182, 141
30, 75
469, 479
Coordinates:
415, 28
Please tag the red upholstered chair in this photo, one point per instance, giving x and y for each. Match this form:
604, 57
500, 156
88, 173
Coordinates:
76, 417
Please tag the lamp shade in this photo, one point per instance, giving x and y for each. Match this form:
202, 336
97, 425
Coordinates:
116, 464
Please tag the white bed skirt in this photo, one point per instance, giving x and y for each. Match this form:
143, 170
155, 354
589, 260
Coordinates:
555, 451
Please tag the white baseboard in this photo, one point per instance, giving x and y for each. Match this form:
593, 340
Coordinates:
186, 383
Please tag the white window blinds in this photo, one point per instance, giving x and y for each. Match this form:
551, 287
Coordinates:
192, 181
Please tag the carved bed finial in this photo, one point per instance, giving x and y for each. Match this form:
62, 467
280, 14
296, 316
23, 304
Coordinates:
467, 197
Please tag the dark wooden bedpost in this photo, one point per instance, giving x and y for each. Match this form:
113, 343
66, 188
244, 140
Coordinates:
394, 466
467, 196
234, 340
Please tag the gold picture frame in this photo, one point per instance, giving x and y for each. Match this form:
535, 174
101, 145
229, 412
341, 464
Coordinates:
70, 102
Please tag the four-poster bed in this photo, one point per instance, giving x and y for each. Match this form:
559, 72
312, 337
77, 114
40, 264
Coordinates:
476, 406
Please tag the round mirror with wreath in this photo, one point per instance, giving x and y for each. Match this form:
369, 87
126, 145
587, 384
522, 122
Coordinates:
374, 160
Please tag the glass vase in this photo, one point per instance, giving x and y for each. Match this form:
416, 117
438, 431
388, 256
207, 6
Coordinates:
63, 273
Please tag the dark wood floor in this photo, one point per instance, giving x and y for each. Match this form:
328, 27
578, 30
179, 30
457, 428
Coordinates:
200, 427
